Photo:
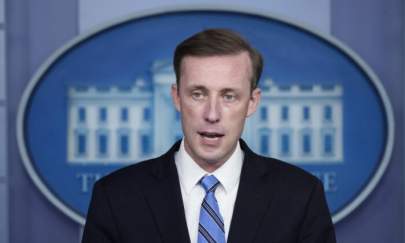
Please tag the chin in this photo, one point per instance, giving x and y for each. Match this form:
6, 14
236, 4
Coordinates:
211, 158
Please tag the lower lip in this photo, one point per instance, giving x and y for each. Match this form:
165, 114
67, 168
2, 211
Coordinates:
211, 141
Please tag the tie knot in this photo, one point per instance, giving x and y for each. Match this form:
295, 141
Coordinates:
209, 183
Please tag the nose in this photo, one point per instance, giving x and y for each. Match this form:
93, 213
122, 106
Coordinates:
212, 113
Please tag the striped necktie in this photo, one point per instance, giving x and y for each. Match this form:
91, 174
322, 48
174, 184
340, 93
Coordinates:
211, 225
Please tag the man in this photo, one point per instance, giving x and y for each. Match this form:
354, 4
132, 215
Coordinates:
211, 187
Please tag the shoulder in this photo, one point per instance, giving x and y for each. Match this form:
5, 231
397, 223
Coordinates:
143, 172
284, 176
133, 177
291, 184
288, 171
276, 168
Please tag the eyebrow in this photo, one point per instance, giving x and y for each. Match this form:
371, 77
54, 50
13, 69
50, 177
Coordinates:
226, 90
201, 87
194, 87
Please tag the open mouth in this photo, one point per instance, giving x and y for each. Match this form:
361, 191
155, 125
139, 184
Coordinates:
211, 135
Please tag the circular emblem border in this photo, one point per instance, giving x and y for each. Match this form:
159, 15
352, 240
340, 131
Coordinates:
347, 209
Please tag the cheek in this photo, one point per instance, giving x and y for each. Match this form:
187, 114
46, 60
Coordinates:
236, 113
235, 118
187, 110
189, 114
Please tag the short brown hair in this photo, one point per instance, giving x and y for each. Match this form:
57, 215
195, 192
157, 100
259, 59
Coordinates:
213, 42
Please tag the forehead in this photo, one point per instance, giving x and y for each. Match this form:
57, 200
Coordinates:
222, 70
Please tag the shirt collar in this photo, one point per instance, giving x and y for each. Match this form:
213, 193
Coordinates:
190, 172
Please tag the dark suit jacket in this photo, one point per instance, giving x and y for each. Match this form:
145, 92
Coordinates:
276, 203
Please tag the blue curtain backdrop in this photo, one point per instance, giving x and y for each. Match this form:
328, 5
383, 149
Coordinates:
35, 29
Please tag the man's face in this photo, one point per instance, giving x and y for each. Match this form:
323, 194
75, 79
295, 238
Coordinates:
214, 99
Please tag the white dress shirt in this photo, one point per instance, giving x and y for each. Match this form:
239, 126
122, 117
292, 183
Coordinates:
193, 194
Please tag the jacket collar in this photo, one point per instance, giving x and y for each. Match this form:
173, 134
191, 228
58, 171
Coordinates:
257, 186
165, 200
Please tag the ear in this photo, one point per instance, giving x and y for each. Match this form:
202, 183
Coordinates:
254, 101
176, 97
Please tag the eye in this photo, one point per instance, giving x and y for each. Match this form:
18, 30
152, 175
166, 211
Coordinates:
229, 97
197, 95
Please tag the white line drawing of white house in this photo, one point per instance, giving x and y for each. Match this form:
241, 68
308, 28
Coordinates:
298, 123
108, 125
123, 125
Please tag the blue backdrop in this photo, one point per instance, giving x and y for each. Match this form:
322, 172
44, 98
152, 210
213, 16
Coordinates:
35, 31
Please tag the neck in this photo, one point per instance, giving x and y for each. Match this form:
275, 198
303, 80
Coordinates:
207, 164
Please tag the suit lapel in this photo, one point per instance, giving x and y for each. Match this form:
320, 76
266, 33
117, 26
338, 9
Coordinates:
257, 187
167, 204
